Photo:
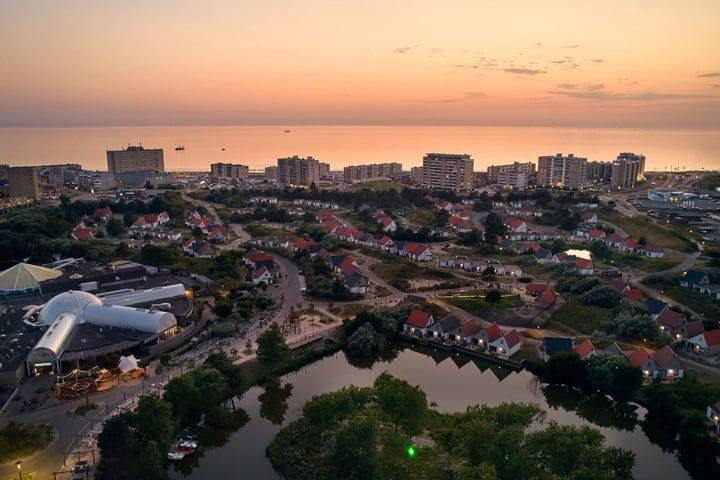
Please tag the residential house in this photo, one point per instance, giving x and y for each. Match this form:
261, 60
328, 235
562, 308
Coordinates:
187, 246
544, 255
387, 224
584, 266
553, 345
694, 277
446, 261
671, 321
262, 275
634, 295
651, 250
706, 344
596, 234
667, 364
711, 290
619, 285
202, 250
641, 358
418, 322
508, 344
418, 252
218, 234
464, 333
590, 218
357, 282
585, 349
103, 213
713, 414
487, 336
386, 243
544, 294
655, 307
442, 329
82, 234
516, 225
616, 241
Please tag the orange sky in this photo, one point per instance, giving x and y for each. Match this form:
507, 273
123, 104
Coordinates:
638, 63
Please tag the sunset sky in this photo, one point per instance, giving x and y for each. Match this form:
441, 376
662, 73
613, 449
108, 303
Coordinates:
627, 63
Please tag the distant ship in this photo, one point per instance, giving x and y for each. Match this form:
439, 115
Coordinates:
287, 131
179, 148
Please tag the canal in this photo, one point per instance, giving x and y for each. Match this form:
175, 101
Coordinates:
451, 381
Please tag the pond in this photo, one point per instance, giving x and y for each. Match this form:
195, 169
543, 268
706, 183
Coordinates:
451, 381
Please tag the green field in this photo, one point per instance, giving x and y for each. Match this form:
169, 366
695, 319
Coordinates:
376, 186
666, 235
577, 317
478, 306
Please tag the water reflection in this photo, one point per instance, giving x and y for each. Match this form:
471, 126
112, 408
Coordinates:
274, 400
597, 409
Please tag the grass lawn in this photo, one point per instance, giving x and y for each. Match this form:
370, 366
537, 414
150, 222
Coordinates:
477, 305
422, 217
397, 273
577, 317
659, 264
666, 235
697, 301
376, 186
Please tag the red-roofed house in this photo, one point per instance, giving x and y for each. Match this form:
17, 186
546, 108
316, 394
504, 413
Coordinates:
615, 240
419, 252
418, 322
596, 234
324, 215
218, 234
651, 250
641, 358
302, 244
262, 275
586, 349
488, 335
584, 266
689, 330
82, 234
387, 224
630, 244
670, 321
590, 218
386, 243
466, 331
667, 364
187, 246
634, 295
508, 344
619, 285
516, 225
706, 343
103, 213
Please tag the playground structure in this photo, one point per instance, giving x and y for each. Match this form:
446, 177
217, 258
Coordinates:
81, 382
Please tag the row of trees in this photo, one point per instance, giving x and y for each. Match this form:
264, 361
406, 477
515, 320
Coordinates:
387, 431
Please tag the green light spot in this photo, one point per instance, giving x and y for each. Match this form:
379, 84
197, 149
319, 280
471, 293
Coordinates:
411, 451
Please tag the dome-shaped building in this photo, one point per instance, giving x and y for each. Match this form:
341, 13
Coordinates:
69, 302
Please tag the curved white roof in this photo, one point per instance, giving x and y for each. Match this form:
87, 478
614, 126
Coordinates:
135, 297
24, 276
130, 318
69, 302
53, 342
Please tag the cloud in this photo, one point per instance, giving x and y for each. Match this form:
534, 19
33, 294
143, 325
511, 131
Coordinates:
571, 46
524, 71
403, 49
711, 74
568, 86
538, 44
596, 60
466, 96
598, 92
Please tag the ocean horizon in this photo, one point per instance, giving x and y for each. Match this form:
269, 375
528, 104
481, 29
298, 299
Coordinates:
340, 146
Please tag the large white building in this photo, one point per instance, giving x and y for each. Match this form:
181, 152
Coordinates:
447, 171
136, 159
561, 171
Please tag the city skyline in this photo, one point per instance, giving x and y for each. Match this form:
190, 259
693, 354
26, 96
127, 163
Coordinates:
641, 64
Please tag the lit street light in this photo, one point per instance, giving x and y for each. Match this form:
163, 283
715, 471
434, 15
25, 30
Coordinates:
19, 465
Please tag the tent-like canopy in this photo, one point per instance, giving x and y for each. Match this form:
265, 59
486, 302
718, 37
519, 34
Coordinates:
24, 276
128, 364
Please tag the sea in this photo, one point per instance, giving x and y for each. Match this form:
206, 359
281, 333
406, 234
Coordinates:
194, 148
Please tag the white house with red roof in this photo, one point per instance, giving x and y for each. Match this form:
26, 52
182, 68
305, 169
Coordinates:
82, 234
485, 337
663, 364
419, 252
465, 332
218, 234
651, 250
706, 344
590, 218
187, 246
670, 322
387, 224
103, 213
262, 275
516, 225
596, 234
508, 344
386, 243
584, 266
417, 323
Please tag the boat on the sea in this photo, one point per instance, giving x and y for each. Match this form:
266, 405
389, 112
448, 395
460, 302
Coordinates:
184, 445
287, 131
180, 147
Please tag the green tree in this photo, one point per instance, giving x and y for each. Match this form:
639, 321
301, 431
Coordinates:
184, 397
353, 451
613, 375
273, 401
272, 348
493, 296
403, 404
114, 227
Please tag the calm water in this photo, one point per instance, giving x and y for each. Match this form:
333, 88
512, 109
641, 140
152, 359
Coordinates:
340, 146
453, 382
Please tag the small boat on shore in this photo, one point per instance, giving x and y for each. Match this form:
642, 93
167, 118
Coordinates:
173, 455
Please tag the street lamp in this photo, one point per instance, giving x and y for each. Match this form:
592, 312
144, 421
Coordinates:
19, 465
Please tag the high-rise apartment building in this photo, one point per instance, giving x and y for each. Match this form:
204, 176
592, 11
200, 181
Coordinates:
24, 182
374, 171
323, 169
447, 171
135, 159
493, 171
298, 171
627, 170
271, 173
560, 171
513, 180
229, 171
599, 172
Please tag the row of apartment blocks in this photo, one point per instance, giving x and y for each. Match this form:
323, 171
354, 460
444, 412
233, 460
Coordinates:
569, 172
